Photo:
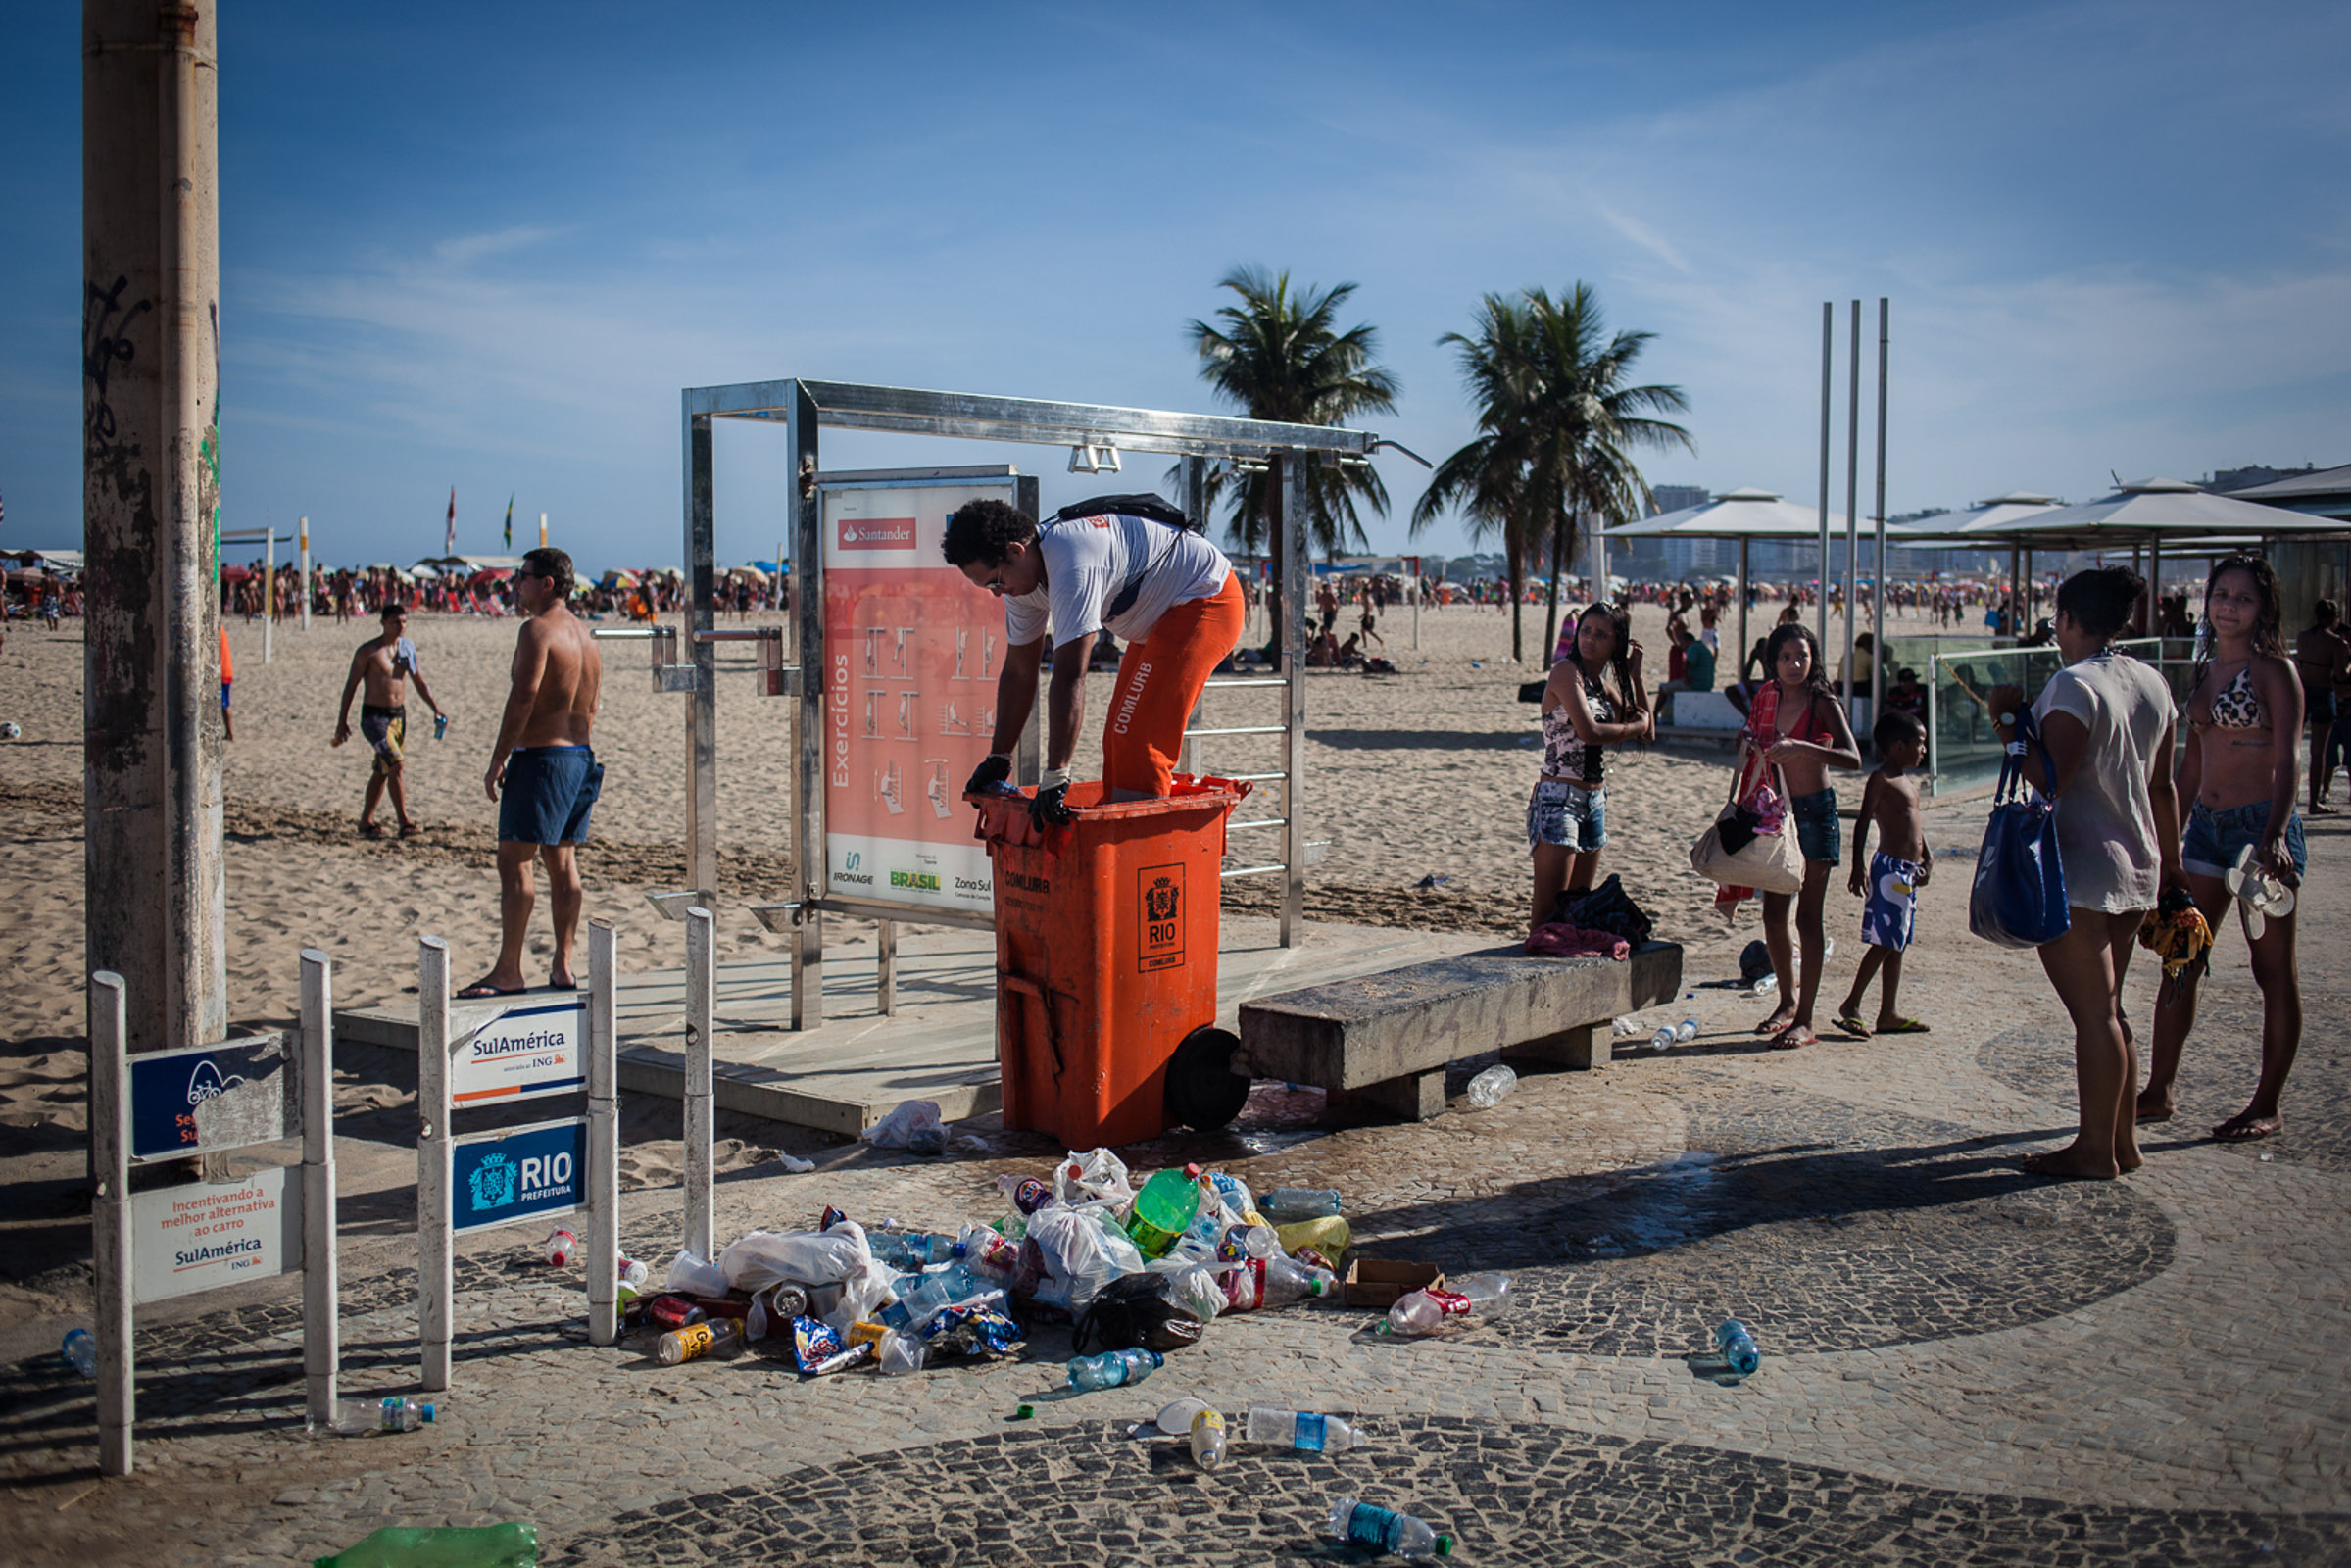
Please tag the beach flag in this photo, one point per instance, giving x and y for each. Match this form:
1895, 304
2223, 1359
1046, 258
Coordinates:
510, 522
449, 533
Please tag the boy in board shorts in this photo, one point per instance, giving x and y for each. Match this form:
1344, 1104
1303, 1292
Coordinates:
1897, 871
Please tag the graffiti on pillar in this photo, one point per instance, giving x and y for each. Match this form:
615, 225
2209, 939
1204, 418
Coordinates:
208, 501
106, 343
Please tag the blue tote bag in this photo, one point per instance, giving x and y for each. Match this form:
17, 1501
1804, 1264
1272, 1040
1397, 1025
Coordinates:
2018, 897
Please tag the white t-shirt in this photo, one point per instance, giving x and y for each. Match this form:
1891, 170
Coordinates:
1094, 564
2105, 830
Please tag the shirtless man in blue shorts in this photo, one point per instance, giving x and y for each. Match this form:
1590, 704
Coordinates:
550, 776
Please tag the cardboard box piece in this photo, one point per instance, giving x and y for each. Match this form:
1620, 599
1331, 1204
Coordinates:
1382, 1281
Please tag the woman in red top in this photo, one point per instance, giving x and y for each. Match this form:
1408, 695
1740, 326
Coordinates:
1798, 726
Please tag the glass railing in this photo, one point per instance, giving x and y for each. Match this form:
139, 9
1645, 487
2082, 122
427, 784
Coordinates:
1963, 749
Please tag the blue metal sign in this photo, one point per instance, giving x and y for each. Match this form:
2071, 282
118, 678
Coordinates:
227, 1095
519, 1173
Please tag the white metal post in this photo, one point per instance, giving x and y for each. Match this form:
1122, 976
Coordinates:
603, 1141
1880, 673
1852, 506
321, 1342
304, 537
1827, 388
701, 981
436, 1280
109, 1216
1297, 579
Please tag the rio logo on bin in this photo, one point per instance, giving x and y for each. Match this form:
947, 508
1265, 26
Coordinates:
1163, 918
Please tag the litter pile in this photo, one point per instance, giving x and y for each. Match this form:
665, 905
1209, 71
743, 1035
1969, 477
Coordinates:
1139, 1272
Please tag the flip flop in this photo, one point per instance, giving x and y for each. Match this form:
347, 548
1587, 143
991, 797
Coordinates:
411, 831
1851, 1025
2241, 1130
484, 991
2152, 1115
369, 830
1903, 1026
1785, 1038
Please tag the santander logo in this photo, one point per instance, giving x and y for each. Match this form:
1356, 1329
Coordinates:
877, 533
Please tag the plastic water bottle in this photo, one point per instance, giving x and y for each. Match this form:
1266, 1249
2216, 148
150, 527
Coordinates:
1424, 1311
1272, 1282
364, 1418
1113, 1368
1164, 1211
1686, 1031
1366, 1524
900, 1354
513, 1545
1765, 984
1300, 1429
1207, 1439
923, 1297
1235, 1193
81, 1351
712, 1337
1663, 1038
1285, 1206
632, 1276
1737, 1343
1489, 1088
1240, 1243
561, 1247
909, 1252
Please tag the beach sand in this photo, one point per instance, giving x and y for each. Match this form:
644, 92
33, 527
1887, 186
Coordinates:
1424, 774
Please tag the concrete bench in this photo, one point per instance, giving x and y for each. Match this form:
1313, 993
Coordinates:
1381, 1042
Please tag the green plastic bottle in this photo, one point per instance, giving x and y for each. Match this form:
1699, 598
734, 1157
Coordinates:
513, 1545
1164, 1209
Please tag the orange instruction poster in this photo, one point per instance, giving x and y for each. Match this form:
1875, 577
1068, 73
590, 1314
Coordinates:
912, 653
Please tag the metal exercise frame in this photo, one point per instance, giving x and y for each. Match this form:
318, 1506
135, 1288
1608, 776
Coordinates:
804, 409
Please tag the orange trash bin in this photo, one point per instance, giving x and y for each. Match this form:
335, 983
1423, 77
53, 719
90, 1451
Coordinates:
1106, 936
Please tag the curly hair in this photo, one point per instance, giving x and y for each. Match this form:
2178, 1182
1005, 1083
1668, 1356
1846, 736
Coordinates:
980, 532
2269, 635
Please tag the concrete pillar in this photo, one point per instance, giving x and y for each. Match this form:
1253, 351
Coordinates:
150, 357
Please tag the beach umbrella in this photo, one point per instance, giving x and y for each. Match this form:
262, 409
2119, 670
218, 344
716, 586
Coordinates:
2154, 511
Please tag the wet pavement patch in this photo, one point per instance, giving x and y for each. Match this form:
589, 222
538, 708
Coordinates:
1089, 1496
1824, 1227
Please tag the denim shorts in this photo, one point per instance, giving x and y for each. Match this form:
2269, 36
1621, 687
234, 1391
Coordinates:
2214, 838
1568, 815
1816, 824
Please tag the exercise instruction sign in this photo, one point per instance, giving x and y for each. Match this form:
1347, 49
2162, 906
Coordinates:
203, 1234
523, 1054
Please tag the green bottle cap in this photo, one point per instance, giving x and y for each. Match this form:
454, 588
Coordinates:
1023, 1412
1444, 1545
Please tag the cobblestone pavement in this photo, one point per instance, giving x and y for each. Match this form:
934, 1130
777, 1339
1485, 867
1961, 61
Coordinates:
1963, 1365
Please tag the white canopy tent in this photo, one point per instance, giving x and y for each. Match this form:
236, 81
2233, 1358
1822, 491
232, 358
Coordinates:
1744, 515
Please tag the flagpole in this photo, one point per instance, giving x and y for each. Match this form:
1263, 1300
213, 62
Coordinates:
542, 530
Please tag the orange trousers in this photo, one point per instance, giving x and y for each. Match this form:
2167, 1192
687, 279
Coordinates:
1159, 681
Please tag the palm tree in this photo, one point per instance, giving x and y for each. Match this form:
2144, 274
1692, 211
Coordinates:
1279, 356
1557, 425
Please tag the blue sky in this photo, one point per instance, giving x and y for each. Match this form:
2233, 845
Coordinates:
485, 246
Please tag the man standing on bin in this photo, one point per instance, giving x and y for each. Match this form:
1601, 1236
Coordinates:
1129, 565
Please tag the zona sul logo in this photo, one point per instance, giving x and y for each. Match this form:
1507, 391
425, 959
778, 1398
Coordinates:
496, 1182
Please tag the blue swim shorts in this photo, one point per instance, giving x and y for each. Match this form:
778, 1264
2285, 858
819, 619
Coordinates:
1567, 815
1816, 824
1889, 907
2214, 838
548, 795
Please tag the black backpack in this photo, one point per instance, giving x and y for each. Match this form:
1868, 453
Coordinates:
1134, 506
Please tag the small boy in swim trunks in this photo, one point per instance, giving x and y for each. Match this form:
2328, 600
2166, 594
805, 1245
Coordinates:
1897, 871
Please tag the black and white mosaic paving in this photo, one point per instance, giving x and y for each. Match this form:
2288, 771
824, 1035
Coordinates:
1823, 1227
1089, 1495
2217, 1074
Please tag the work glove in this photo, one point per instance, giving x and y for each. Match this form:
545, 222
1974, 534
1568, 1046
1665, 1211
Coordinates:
1050, 807
995, 769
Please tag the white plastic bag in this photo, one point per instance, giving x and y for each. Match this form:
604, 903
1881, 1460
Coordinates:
1098, 1177
915, 1125
1191, 1286
1084, 1249
804, 1257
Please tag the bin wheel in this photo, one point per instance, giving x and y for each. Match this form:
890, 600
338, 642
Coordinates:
1203, 1093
